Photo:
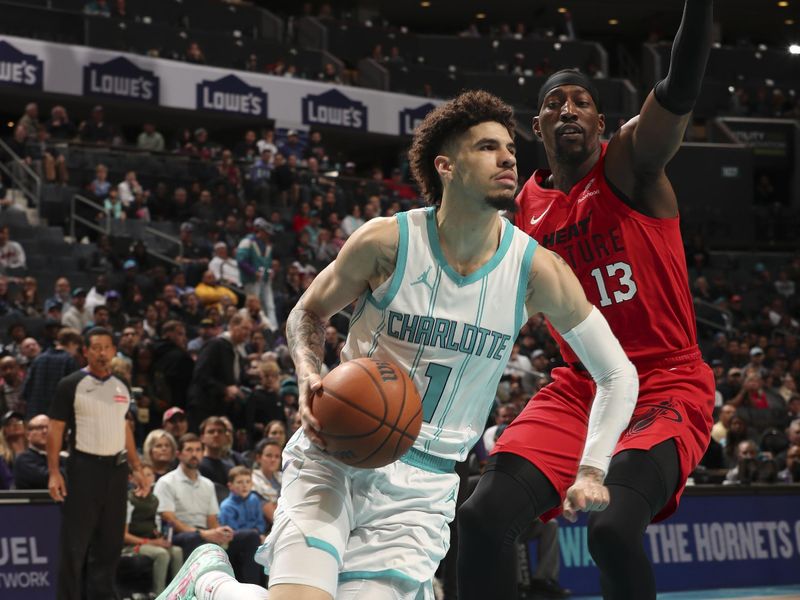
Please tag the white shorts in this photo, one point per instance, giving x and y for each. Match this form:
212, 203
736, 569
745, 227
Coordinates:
382, 523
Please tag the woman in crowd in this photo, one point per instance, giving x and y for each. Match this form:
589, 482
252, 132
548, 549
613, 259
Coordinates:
267, 476
276, 431
160, 450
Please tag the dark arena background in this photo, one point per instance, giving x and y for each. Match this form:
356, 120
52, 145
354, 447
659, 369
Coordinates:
132, 165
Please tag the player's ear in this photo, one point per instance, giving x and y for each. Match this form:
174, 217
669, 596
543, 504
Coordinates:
537, 127
601, 123
443, 166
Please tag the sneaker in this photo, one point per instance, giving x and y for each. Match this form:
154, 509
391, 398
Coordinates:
204, 559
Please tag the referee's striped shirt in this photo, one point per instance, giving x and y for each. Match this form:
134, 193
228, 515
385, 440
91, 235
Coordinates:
94, 410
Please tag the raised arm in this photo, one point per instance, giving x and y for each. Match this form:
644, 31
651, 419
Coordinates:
365, 261
641, 150
555, 291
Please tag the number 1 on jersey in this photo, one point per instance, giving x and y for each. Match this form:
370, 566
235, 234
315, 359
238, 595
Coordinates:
438, 375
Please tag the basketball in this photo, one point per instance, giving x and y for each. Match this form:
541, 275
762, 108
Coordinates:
369, 412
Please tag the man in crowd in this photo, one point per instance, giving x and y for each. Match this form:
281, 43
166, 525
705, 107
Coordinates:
172, 364
188, 502
30, 467
215, 465
174, 422
217, 373
48, 369
77, 316
12, 255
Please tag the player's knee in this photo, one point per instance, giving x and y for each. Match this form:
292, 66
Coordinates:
606, 538
474, 519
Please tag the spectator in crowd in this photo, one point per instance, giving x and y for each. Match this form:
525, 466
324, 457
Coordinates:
241, 510
544, 580
267, 477
719, 431
100, 185
738, 431
215, 465
29, 121
352, 221
329, 74
732, 384
78, 316
11, 380
16, 333
193, 258
6, 461
29, 302
60, 128
254, 257
208, 330
96, 130
128, 188
265, 405
94, 403
29, 349
212, 294
194, 54
150, 139
159, 452
188, 502
30, 466
48, 369
142, 535
252, 309
791, 474
172, 364
276, 430
12, 428
267, 142
97, 293
225, 268
217, 373
746, 452
12, 255
175, 423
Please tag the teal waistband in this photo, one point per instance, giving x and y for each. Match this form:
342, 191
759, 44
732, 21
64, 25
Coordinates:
428, 462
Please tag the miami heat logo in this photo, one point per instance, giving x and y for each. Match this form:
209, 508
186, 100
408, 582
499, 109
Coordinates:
646, 414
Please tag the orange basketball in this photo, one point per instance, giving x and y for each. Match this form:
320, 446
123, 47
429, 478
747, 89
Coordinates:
369, 412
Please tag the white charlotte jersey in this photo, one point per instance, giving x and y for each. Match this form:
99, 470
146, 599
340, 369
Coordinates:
451, 333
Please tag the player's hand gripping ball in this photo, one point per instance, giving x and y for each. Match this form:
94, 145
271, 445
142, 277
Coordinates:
369, 412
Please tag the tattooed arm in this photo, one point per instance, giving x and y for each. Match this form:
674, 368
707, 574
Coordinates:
365, 261
555, 290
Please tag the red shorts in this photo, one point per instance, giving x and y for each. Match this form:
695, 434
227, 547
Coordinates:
675, 402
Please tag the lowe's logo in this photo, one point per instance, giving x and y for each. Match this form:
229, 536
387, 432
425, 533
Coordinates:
232, 95
119, 78
410, 118
20, 69
336, 109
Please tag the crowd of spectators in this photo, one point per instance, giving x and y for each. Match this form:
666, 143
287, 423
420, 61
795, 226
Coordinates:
201, 342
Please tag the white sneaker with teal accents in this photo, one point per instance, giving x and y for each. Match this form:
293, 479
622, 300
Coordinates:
206, 558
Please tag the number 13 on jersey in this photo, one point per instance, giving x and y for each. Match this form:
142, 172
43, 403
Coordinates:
622, 274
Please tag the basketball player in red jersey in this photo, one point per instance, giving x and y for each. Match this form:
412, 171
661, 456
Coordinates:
609, 210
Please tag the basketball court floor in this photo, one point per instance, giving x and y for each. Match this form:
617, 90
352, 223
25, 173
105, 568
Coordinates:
760, 593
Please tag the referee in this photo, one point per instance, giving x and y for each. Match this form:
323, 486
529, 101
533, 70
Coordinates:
92, 404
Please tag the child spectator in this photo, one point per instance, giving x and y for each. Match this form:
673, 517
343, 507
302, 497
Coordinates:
242, 508
143, 537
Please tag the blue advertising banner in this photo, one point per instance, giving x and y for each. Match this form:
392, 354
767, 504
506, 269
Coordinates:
29, 537
232, 95
741, 540
120, 79
335, 109
20, 69
411, 117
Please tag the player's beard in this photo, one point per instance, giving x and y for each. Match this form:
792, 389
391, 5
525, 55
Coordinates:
502, 201
569, 155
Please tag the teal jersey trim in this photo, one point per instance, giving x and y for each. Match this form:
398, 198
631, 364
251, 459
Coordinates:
524, 276
313, 542
400, 263
431, 304
385, 574
359, 310
462, 280
428, 462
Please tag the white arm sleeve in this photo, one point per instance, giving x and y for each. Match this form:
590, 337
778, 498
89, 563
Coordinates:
617, 386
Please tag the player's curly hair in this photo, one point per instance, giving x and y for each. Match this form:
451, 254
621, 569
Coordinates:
444, 123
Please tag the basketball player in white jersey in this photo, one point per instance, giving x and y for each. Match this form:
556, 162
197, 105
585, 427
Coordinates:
442, 292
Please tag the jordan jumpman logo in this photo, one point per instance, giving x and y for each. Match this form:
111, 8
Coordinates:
423, 278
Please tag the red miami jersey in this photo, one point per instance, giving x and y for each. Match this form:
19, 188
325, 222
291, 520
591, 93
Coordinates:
631, 266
